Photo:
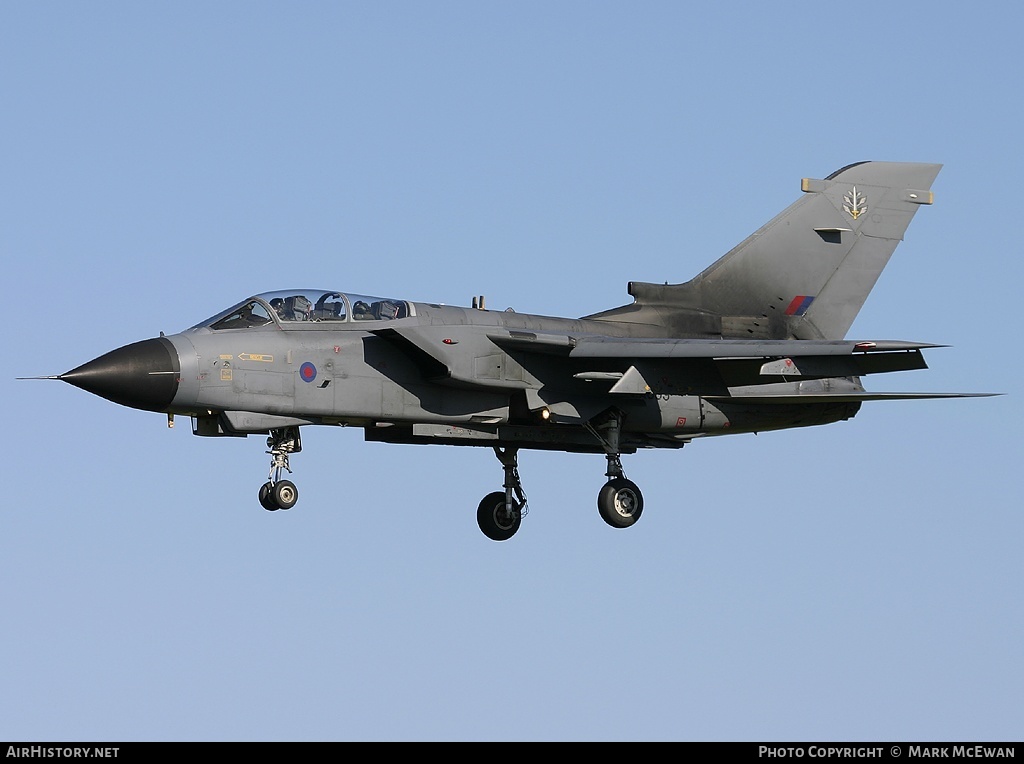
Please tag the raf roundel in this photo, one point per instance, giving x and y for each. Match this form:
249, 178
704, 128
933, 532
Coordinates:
307, 371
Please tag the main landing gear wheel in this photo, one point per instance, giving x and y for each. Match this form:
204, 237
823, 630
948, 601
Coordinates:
620, 502
500, 513
496, 519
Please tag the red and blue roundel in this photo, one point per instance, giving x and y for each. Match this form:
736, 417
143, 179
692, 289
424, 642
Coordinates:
307, 371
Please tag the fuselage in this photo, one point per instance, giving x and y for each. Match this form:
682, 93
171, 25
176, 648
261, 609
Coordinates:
428, 373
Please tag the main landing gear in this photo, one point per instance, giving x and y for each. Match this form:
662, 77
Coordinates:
619, 502
501, 512
276, 493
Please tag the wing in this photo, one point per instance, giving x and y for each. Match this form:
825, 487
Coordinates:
493, 358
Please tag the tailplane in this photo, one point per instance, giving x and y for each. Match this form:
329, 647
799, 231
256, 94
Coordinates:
803, 275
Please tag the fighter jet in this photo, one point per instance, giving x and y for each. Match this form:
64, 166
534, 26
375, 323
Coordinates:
753, 343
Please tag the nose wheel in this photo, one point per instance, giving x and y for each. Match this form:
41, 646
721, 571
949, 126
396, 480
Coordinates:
276, 493
280, 495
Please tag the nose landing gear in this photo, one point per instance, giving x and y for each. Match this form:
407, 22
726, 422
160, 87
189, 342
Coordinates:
276, 493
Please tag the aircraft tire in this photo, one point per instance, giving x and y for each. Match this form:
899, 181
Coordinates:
285, 494
620, 503
267, 498
496, 522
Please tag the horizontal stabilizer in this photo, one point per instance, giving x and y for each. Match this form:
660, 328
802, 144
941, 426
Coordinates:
614, 347
821, 367
599, 346
839, 397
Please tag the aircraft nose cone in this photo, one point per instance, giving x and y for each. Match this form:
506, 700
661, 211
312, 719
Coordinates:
143, 375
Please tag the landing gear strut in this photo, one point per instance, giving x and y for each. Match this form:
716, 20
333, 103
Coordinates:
620, 501
500, 513
277, 493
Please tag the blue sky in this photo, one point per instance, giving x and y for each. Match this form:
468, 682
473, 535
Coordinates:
160, 162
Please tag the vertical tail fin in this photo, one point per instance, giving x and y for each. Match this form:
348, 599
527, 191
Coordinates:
806, 273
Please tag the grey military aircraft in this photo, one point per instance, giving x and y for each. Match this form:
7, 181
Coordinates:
753, 343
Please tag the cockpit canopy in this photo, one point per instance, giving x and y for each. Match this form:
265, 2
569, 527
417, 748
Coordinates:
293, 307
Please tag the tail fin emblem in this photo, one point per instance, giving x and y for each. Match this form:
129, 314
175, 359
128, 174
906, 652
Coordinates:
856, 204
